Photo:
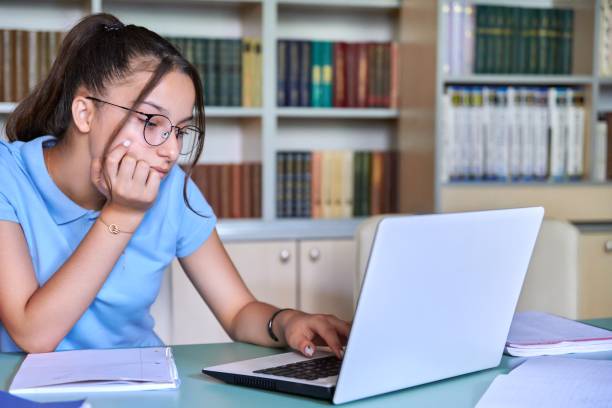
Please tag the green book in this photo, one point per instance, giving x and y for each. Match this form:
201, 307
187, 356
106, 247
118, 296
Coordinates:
506, 30
494, 43
521, 41
566, 24
212, 68
224, 72
479, 45
532, 41
236, 82
544, 43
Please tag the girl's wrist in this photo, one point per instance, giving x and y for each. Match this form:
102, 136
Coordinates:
119, 218
281, 321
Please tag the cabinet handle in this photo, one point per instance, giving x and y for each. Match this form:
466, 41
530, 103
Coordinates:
314, 254
285, 256
608, 246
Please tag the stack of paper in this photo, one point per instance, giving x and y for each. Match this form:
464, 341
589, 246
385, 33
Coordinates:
537, 334
552, 382
96, 371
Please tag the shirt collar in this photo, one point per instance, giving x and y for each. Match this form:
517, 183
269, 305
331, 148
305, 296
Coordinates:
62, 209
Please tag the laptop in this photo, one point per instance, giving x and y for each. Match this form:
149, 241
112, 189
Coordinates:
437, 301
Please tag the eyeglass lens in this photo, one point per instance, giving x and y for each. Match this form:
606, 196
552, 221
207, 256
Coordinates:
158, 129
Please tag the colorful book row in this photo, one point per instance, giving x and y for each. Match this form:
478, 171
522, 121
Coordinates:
507, 133
336, 74
232, 189
230, 68
25, 59
335, 184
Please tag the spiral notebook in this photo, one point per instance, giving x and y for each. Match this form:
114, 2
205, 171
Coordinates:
85, 371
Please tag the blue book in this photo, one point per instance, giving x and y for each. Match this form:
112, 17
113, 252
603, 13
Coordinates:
11, 401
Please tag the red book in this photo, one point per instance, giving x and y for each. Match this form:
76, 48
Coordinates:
245, 190
256, 190
372, 81
339, 76
351, 75
236, 203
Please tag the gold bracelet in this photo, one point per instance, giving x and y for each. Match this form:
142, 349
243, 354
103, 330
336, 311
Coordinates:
114, 228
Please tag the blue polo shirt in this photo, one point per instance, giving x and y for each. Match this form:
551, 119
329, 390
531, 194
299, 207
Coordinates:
53, 226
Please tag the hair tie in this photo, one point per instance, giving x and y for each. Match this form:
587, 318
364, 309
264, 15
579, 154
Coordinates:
113, 27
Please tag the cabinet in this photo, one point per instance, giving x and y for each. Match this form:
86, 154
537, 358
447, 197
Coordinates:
315, 276
595, 280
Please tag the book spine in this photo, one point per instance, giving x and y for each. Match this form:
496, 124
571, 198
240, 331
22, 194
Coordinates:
327, 73
316, 74
315, 188
293, 73
247, 70
362, 75
567, 33
304, 74
281, 185
257, 78
339, 84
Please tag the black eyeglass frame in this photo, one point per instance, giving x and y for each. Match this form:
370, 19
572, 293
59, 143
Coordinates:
149, 116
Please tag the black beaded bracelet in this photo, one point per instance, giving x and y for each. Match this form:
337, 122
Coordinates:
270, 332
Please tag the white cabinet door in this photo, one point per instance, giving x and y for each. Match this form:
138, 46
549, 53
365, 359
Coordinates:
268, 269
326, 277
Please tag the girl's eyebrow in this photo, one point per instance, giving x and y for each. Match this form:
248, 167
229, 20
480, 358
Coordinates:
165, 112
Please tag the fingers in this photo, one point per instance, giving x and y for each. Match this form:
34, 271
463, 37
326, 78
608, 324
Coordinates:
328, 333
114, 158
305, 331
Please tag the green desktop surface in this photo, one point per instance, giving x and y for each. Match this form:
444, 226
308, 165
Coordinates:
199, 390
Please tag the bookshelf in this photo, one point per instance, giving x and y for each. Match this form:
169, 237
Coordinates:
238, 134
580, 201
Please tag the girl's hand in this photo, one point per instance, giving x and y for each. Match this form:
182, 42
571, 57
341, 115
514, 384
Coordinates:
124, 181
303, 332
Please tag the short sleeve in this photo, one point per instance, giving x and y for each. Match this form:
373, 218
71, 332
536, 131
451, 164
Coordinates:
194, 229
7, 211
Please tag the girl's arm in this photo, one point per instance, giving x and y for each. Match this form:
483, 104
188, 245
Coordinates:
244, 318
38, 318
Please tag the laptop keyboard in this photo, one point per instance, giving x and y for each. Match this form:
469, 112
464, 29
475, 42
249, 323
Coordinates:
306, 370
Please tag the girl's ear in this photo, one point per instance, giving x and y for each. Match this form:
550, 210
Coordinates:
82, 113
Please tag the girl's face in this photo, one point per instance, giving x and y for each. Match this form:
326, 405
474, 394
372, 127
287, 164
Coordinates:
173, 97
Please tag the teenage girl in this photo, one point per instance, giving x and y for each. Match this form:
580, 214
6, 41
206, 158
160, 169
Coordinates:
93, 207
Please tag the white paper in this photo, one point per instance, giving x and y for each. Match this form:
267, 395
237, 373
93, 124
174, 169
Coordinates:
97, 370
547, 382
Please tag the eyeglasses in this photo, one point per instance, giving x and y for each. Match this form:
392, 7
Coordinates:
158, 128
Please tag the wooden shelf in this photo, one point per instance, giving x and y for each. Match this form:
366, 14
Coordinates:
377, 4
231, 112
517, 79
579, 201
350, 113
281, 229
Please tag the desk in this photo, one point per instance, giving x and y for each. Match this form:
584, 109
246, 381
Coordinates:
198, 390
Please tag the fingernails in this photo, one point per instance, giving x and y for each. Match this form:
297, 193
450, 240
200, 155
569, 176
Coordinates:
308, 351
127, 143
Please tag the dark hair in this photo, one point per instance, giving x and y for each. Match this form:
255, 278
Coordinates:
98, 51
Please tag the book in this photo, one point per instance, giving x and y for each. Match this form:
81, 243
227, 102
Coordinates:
8, 400
83, 371
537, 334
601, 151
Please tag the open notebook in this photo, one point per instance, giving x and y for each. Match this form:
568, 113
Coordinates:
134, 369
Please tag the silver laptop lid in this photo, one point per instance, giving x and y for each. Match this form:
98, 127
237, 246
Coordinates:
437, 298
